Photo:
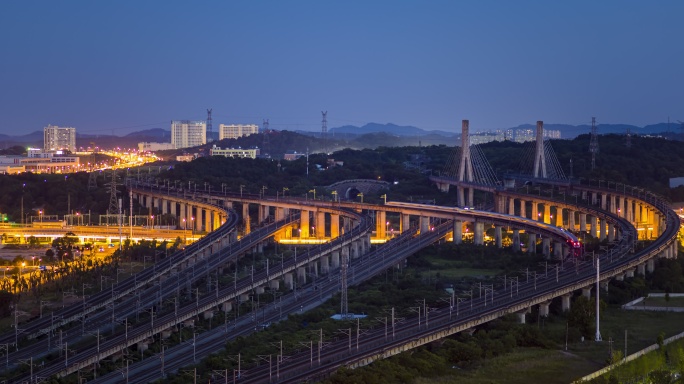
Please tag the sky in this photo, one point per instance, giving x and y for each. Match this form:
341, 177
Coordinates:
116, 67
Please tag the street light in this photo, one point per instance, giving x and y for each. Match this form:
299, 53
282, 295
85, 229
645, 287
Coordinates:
152, 217
361, 196
242, 186
285, 189
384, 197
314, 193
334, 193
40, 213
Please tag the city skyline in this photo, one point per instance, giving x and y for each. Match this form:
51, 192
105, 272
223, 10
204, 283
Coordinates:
125, 67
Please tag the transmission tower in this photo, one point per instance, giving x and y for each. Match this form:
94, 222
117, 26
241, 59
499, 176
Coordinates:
628, 138
266, 144
113, 201
324, 130
210, 130
92, 181
593, 144
570, 167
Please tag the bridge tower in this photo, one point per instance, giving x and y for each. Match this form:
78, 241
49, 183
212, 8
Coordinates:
539, 157
465, 169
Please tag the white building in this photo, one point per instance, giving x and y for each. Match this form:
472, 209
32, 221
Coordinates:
53, 164
235, 152
39, 153
185, 134
56, 138
154, 147
233, 131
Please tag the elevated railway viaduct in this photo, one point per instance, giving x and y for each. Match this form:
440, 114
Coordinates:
326, 216
616, 262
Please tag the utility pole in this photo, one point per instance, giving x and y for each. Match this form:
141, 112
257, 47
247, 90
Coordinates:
598, 288
130, 212
344, 288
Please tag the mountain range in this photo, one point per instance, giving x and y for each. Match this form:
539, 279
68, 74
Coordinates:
567, 131
346, 132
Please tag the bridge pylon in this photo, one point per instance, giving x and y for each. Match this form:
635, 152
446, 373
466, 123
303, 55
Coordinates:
465, 169
539, 158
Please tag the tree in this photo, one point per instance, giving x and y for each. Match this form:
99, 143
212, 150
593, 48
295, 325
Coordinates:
583, 316
661, 340
33, 242
6, 300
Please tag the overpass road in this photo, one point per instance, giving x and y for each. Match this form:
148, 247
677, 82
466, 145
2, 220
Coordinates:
412, 332
206, 252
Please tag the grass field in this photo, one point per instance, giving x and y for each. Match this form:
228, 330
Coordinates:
661, 302
455, 274
533, 365
524, 366
454, 269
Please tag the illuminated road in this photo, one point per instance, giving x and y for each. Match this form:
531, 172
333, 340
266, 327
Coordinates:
100, 234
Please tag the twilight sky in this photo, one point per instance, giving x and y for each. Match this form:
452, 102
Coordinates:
122, 66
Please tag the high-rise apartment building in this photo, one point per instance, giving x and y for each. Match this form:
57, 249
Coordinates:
58, 138
233, 131
185, 134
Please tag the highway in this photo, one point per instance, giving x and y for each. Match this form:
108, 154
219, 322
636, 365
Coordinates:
303, 299
442, 321
360, 270
144, 330
149, 294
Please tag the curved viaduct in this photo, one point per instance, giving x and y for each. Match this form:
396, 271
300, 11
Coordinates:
617, 262
349, 189
612, 221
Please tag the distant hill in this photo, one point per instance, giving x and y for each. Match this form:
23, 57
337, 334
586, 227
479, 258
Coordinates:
390, 128
33, 139
572, 131
347, 136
